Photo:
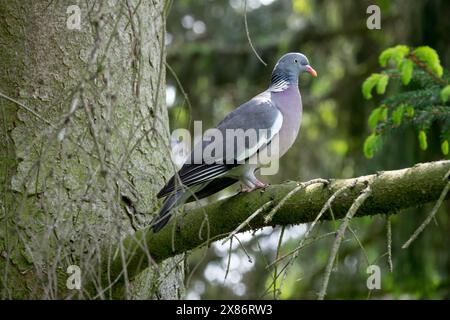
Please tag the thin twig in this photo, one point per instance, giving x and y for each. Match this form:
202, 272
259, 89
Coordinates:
229, 260
324, 209
183, 91
311, 240
340, 235
248, 35
37, 115
275, 277
389, 243
359, 244
294, 253
423, 66
245, 250
430, 216
302, 185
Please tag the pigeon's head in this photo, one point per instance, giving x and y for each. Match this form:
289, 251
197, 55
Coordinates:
292, 65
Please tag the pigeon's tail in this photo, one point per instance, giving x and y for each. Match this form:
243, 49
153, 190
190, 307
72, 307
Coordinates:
165, 212
181, 196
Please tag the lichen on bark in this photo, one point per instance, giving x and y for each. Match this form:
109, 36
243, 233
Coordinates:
83, 173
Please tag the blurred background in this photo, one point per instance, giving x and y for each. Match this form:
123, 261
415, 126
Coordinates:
213, 65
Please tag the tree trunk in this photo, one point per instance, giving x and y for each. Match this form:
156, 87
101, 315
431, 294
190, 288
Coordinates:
84, 135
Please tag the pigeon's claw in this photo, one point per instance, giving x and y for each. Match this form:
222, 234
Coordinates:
260, 184
247, 189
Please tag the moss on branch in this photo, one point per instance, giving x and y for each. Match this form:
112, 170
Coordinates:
391, 192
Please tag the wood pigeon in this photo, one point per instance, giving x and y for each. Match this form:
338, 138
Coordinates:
275, 115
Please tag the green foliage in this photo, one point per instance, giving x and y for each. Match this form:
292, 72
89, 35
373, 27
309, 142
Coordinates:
409, 111
445, 93
377, 115
417, 103
397, 115
430, 57
371, 145
396, 53
369, 84
382, 84
406, 70
444, 147
380, 81
423, 140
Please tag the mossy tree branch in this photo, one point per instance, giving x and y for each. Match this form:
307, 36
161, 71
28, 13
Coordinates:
391, 192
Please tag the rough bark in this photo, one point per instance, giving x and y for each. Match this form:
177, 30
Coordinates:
83, 144
391, 192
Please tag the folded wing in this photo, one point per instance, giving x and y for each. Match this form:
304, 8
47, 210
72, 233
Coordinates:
259, 120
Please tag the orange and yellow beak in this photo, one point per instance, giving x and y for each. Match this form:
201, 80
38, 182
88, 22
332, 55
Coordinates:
311, 71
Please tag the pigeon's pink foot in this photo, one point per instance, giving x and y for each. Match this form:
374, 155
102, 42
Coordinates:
260, 184
247, 189
257, 185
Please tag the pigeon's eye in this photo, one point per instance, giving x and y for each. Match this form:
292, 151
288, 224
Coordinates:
295, 61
